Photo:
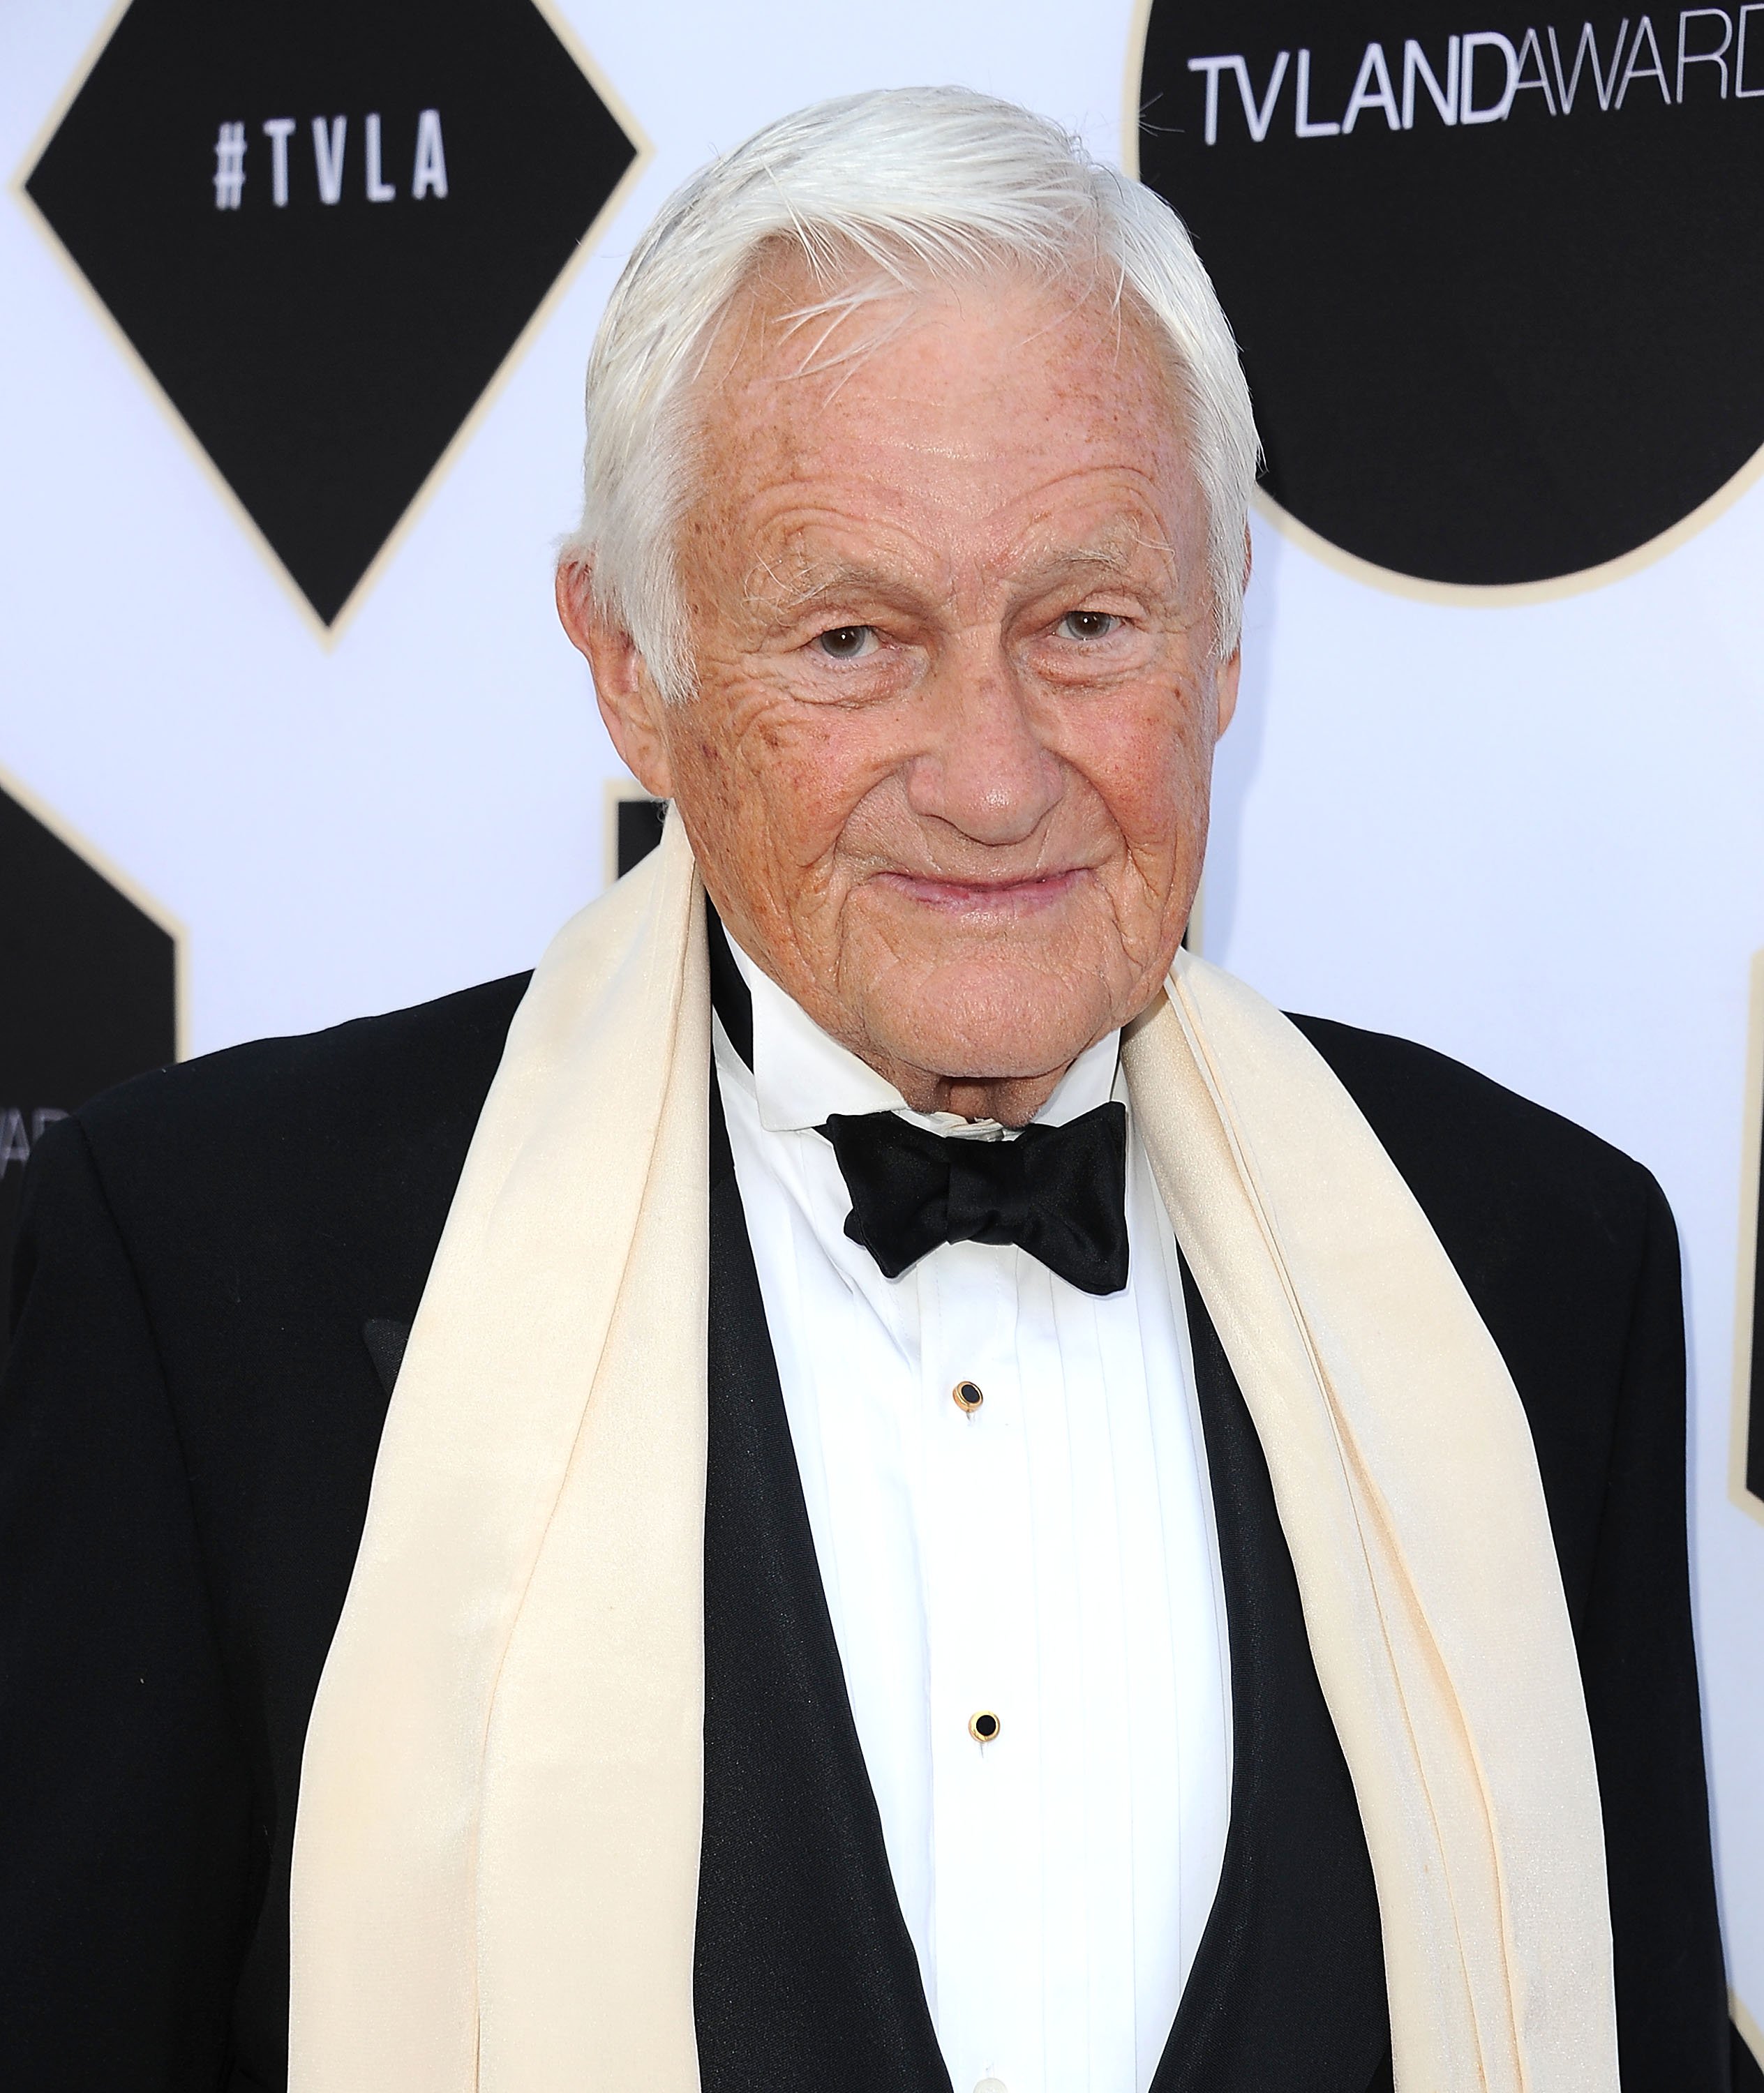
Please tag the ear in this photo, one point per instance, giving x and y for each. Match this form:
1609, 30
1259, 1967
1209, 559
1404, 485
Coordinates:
1225, 678
630, 703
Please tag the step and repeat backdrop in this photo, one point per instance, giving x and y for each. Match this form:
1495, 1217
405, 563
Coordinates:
296, 302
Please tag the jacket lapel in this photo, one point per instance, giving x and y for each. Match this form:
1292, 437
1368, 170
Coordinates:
805, 1975
1287, 1992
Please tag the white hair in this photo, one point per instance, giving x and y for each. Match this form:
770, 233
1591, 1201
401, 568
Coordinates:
918, 186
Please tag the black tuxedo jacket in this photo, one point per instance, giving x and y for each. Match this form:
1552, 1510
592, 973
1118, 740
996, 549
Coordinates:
216, 1268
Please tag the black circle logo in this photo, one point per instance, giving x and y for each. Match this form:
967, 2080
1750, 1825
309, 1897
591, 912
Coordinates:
1499, 291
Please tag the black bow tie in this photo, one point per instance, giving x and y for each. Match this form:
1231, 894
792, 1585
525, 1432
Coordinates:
1059, 1192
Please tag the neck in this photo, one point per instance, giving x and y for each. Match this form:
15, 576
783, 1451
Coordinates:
1010, 1100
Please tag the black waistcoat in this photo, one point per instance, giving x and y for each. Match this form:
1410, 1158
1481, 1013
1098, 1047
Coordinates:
805, 1967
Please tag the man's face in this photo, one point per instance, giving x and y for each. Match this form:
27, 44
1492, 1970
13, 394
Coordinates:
946, 767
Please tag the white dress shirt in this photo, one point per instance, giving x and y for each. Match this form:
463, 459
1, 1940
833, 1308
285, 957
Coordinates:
1048, 1557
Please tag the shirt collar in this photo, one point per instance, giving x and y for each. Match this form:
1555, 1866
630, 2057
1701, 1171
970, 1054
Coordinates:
801, 1075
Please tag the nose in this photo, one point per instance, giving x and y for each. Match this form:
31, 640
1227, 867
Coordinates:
983, 768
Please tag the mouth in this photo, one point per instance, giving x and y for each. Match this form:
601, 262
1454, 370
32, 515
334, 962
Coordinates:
982, 899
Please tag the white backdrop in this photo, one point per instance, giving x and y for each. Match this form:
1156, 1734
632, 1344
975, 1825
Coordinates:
1532, 837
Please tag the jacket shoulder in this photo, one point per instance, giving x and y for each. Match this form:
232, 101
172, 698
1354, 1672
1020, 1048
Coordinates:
335, 1153
1487, 1165
390, 1076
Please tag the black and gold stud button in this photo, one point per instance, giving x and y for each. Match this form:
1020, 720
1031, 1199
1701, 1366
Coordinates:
968, 1395
983, 1726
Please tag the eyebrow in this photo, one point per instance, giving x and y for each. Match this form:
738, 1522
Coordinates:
819, 579
816, 580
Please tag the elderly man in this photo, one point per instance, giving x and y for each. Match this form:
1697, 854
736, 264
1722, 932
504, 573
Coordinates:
965, 1504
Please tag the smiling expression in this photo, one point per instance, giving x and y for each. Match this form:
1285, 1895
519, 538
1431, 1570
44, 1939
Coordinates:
945, 764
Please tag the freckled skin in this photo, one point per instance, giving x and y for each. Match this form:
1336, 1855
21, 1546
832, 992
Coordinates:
947, 765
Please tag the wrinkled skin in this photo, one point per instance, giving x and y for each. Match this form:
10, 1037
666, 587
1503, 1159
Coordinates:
946, 764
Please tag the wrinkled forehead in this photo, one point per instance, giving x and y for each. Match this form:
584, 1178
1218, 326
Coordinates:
901, 390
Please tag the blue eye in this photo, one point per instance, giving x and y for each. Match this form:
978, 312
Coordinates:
846, 643
1087, 624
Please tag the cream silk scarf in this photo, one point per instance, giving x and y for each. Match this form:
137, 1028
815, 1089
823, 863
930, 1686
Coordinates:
496, 1860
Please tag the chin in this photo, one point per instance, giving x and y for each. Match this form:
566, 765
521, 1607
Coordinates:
990, 1027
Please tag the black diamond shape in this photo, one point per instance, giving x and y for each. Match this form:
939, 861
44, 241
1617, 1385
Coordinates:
88, 993
326, 352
